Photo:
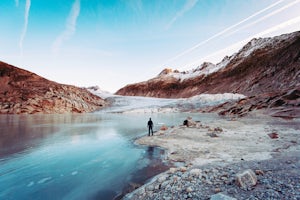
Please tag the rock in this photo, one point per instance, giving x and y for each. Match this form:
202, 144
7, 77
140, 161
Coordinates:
183, 169
189, 189
163, 128
259, 172
212, 134
221, 196
218, 129
273, 135
165, 184
246, 179
195, 172
150, 188
190, 123
172, 170
217, 190
162, 178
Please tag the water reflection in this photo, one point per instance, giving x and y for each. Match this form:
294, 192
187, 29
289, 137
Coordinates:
84, 156
23, 132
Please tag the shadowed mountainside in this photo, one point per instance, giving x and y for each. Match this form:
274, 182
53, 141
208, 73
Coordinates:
263, 65
267, 70
24, 92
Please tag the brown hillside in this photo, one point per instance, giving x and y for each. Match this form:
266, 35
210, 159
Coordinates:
24, 92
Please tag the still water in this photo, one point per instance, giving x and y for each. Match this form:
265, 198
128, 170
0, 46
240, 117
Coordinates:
83, 156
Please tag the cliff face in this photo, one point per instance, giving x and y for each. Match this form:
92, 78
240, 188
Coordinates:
265, 65
24, 92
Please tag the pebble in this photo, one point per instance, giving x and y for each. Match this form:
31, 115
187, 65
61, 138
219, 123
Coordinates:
150, 188
217, 190
172, 170
189, 189
195, 172
162, 178
183, 169
165, 184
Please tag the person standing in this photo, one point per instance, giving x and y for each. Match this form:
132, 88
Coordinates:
150, 127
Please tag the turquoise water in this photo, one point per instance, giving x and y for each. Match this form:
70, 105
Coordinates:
86, 156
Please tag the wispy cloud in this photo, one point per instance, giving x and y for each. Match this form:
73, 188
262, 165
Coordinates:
17, 3
70, 27
187, 6
24, 31
222, 32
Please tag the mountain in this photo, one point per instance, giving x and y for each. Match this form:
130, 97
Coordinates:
22, 91
262, 65
267, 70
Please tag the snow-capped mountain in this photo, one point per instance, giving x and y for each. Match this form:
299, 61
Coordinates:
263, 65
205, 68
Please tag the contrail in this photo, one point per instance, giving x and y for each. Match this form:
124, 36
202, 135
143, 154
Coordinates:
23, 34
266, 16
70, 28
222, 32
188, 6
293, 21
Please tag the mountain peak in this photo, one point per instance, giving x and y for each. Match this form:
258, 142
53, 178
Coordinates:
263, 65
165, 71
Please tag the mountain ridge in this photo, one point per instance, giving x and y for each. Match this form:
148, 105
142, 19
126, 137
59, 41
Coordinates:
257, 68
24, 92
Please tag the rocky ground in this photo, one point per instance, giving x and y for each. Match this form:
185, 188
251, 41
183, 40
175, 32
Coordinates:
276, 178
216, 155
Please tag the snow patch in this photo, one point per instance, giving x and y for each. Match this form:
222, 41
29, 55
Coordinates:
96, 90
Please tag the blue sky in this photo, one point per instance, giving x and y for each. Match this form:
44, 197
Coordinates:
112, 43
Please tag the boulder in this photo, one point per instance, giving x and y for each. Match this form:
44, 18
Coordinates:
163, 128
273, 135
246, 179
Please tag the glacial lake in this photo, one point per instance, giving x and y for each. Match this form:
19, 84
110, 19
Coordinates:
77, 156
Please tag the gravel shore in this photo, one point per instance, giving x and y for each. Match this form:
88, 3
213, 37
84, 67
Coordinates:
277, 178
214, 155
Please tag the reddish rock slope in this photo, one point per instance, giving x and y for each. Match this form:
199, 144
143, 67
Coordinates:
264, 65
24, 92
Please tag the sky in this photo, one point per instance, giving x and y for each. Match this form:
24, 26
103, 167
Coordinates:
112, 43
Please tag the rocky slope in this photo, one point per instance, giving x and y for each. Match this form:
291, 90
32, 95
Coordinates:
24, 92
263, 65
267, 70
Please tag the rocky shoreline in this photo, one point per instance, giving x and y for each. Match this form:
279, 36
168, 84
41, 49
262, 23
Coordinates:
261, 162
277, 178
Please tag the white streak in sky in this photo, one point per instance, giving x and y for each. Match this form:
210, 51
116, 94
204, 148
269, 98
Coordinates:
70, 28
17, 3
237, 45
222, 32
266, 16
23, 34
187, 6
